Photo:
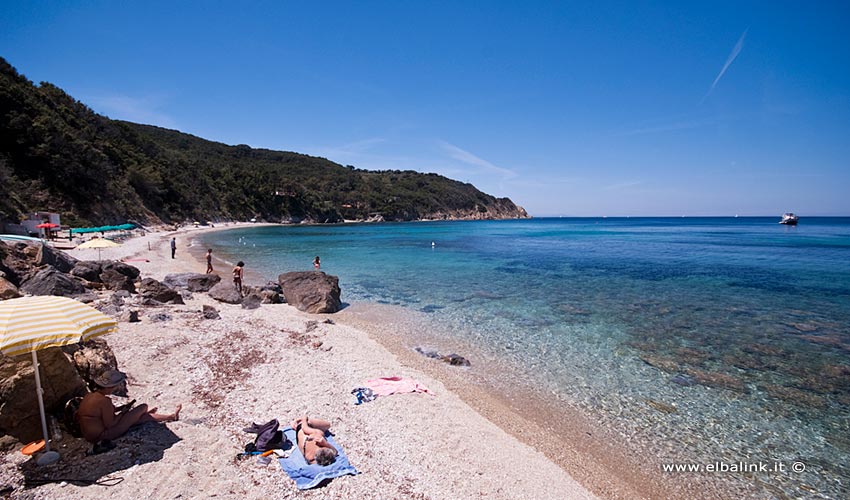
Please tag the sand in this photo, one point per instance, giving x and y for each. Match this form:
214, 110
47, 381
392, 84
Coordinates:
276, 362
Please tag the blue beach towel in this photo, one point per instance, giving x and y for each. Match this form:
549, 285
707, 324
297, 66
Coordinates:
308, 476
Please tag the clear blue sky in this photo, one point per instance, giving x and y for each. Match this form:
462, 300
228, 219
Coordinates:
592, 108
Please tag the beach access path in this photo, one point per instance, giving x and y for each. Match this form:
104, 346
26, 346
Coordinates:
276, 362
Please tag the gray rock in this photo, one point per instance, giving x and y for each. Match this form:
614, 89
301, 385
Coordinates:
114, 280
88, 270
211, 312
270, 297
150, 288
130, 316
158, 317
194, 282
225, 292
86, 298
48, 256
121, 268
311, 291
50, 281
251, 301
186, 294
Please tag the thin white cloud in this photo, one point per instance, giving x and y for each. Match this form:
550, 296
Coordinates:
139, 110
464, 156
729, 60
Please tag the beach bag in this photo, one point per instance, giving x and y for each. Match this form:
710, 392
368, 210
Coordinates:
268, 437
69, 418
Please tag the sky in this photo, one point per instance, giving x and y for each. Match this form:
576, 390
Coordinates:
568, 108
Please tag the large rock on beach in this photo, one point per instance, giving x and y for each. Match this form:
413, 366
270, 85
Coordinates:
131, 272
311, 291
150, 288
89, 270
19, 415
46, 255
8, 290
225, 292
91, 359
194, 282
51, 281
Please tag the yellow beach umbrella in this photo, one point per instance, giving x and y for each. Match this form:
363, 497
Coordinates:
28, 324
99, 243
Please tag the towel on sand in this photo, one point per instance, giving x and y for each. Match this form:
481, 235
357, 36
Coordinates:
308, 476
385, 386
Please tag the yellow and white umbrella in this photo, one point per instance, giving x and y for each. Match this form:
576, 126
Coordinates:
28, 324
100, 244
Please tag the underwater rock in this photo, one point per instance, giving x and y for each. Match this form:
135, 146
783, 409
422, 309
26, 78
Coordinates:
661, 406
683, 379
717, 380
691, 356
795, 396
664, 364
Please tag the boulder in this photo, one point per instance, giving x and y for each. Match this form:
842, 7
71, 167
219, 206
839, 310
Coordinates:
88, 270
270, 297
252, 301
91, 359
210, 312
150, 288
311, 291
47, 255
130, 316
8, 290
122, 268
194, 282
114, 280
19, 415
15, 263
50, 281
225, 292
455, 360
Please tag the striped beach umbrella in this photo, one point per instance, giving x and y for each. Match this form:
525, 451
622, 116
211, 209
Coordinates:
28, 324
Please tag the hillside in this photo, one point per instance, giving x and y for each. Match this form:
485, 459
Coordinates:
57, 155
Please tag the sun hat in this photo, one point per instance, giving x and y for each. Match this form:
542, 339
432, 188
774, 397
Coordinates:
110, 378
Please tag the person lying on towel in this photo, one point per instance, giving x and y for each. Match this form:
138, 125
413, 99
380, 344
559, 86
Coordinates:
310, 434
100, 421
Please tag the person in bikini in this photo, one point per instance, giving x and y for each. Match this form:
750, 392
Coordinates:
310, 437
238, 272
100, 421
209, 261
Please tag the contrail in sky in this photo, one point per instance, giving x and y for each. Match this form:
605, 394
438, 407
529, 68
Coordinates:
735, 51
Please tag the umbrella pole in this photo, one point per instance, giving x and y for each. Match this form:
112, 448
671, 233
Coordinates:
39, 392
48, 457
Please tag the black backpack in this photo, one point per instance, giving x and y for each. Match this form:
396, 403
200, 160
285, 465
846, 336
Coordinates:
268, 437
69, 418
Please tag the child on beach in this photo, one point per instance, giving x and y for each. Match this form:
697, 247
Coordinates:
209, 261
238, 272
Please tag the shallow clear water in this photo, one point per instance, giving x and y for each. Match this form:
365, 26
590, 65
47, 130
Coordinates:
741, 323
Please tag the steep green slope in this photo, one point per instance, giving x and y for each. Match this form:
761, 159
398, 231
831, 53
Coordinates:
56, 154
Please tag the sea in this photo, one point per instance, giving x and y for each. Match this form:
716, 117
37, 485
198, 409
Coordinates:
707, 340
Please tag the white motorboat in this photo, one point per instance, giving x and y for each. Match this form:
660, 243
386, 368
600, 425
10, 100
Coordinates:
789, 219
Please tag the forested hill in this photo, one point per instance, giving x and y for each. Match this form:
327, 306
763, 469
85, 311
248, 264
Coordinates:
57, 155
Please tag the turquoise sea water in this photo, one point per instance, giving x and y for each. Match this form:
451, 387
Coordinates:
741, 323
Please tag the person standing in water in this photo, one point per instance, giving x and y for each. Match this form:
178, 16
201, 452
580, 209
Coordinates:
317, 263
238, 272
209, 261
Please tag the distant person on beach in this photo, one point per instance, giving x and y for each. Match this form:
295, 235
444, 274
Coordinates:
317, 263
209, 261
310, 437
173, 247
238, 273
100, 421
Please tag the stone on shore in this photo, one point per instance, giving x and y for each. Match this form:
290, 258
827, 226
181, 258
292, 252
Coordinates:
8, 290
89, 270
91, 359
311, 291
51, 281
119, 276
194, 282
225, 292
150, 288
19, 415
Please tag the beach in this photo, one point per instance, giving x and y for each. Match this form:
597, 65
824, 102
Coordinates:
276, 362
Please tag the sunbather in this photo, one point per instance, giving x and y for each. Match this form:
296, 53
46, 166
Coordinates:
310, 434
101, 421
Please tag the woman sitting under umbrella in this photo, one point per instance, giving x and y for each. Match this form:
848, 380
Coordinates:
100, 421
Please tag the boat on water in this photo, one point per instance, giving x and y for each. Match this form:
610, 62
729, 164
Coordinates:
789, 219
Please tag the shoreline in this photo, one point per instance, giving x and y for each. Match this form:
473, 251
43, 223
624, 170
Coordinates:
276, 362
570, 438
